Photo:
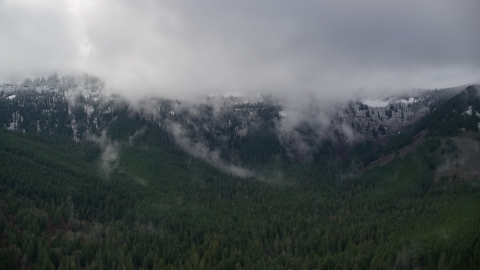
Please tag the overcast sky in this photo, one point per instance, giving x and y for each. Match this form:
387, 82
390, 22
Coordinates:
180, 48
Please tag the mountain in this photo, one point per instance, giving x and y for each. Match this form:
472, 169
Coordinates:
244, 130
90, 180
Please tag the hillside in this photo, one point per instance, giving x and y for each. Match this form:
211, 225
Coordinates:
245, 130
135, 198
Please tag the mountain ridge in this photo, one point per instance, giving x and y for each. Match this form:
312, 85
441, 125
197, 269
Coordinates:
232, 126
131, 197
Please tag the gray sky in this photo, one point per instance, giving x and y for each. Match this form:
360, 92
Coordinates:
181, 48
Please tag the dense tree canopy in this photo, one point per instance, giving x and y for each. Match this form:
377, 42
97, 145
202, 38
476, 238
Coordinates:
158, 207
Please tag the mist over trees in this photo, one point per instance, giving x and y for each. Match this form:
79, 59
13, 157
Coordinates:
159, 206
239, 134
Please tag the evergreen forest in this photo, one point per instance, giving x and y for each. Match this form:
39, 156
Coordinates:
65, 205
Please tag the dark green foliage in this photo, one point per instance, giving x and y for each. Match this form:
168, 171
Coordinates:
363, 107
258, 148
431, 145
6, 261
161, 208
445, 120
459, 112
388, 113
32, 111
381, 130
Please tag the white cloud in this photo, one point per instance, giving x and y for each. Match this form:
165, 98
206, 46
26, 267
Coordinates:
200, 150
181, 48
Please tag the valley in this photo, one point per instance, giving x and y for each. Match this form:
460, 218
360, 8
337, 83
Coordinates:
88, 182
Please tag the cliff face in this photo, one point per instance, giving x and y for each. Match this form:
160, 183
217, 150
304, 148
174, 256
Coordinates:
78, 107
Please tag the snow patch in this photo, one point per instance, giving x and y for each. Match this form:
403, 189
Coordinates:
11, 97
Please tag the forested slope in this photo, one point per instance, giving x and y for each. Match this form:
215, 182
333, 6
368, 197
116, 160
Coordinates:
158, 207
163, 209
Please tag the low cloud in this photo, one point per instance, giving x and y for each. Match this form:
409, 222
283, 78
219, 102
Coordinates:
180, 49
200, 150
110, 152
311, 109
138, 133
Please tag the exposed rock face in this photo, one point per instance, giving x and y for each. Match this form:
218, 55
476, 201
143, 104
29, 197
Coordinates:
78, 106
